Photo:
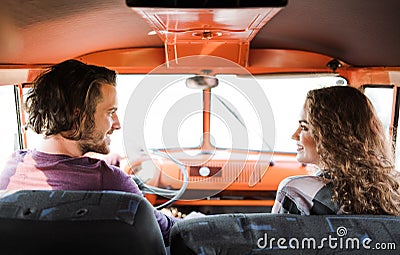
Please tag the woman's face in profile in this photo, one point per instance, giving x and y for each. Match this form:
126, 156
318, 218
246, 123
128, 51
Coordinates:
306, 146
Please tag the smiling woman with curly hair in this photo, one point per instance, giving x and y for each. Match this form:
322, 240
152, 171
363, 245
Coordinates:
340, 133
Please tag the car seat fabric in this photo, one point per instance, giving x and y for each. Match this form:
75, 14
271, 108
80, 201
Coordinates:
77, 222
259, 233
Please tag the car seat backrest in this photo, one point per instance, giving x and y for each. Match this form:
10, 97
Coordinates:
264, 233
77, 222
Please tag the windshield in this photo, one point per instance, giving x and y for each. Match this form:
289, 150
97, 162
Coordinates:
239, 119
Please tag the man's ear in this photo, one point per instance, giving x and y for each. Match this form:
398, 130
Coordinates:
77, 111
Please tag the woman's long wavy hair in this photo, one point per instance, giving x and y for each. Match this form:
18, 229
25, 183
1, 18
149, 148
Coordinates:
63, 99
353, 150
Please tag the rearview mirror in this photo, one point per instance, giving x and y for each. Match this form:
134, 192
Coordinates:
201, 82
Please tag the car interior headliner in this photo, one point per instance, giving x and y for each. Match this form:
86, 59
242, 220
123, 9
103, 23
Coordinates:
358, 32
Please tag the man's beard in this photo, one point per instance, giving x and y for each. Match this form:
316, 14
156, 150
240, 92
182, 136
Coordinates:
94, 142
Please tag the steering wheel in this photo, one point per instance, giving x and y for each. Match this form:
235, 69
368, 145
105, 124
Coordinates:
174, 194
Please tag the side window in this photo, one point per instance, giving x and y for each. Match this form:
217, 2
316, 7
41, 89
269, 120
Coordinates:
32, 139
9, 126
382, 99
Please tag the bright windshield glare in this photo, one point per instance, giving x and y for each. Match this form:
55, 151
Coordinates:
230, 110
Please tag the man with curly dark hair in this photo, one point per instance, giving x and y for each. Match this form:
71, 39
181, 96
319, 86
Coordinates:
340, 133
74, 105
